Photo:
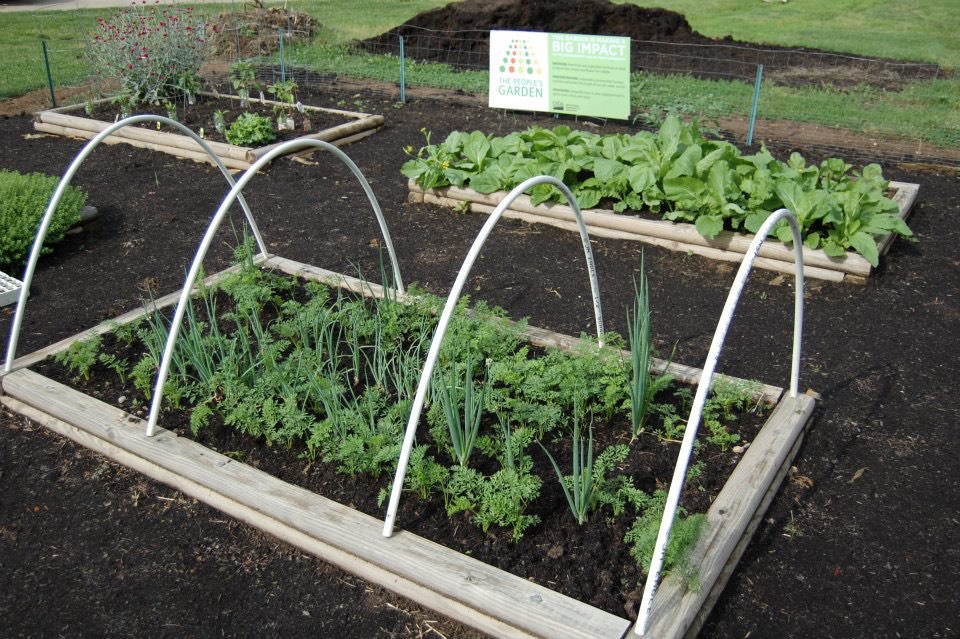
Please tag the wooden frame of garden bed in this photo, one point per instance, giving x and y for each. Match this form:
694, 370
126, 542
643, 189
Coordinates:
453, 584
727, 246
61, 121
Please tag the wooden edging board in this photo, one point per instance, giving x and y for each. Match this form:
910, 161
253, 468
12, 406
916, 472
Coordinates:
456, 585
62, 121
727, 246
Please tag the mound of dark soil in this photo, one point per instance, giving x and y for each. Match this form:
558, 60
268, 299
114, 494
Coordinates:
556, 16
662, 42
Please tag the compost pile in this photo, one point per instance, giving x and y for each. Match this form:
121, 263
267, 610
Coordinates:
662, 41
257, 32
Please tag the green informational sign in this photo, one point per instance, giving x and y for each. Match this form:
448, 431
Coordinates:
560, 73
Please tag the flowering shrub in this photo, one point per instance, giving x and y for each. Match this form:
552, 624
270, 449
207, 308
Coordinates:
154, 51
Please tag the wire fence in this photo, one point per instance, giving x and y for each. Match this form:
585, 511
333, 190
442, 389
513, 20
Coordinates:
276, 40
469, 50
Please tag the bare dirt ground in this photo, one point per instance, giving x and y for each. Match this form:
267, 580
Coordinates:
859, 541
856, 544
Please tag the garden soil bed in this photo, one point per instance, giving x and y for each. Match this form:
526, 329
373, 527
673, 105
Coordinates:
608, 578
856, 544
648, 228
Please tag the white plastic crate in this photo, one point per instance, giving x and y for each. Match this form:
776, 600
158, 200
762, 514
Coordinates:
9, 289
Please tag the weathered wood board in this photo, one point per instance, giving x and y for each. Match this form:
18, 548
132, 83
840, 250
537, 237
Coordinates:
463, 588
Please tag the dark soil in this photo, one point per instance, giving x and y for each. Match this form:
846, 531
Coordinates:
662, 42
859, 542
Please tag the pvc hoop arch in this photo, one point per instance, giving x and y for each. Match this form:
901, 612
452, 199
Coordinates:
287, 147
58, 195
696, 411
447, 313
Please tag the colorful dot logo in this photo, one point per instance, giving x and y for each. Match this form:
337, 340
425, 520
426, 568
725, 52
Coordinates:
519, 59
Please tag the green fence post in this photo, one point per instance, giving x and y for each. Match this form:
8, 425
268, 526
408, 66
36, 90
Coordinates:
403, 94
283, 64
756, 102
46, 64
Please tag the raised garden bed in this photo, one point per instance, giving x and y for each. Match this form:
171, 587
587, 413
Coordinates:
727, 246
457, 585
71, 121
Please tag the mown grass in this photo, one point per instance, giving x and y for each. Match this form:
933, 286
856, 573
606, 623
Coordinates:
918, 30
927, 111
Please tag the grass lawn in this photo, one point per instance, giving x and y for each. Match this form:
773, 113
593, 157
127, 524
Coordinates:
914, 30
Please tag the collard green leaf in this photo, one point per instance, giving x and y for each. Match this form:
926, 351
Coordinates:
607, 170
413, 169
641, 177
456, 177
486, 182
669, 138
476, 148
755, 220
686, 163
709, 226
865, 245
587, 198
687, 192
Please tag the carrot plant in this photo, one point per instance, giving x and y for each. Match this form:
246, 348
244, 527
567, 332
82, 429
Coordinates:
301, 365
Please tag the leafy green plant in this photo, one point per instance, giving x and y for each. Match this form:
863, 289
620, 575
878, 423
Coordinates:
154, 51
296, 364
250, 129
118, 365
243, 77
676, 173
23, 200
285, 91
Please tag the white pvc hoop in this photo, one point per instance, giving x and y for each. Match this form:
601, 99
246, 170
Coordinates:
287, 147
447, 313
58, 195
703, 388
